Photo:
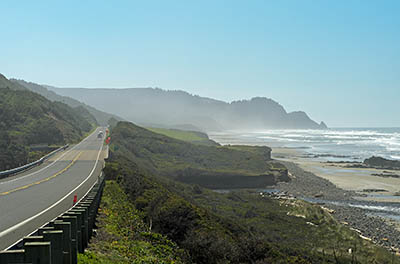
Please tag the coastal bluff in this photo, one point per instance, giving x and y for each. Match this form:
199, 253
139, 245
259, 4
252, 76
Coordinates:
215, 167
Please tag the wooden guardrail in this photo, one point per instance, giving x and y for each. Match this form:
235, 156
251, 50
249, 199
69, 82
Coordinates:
60, 241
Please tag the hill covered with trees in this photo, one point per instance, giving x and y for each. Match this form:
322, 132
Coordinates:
28, 119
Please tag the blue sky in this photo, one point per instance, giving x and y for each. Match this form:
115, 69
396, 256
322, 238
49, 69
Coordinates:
337, 60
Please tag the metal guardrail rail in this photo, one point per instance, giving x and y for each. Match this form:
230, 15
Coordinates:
60, 240
6, 173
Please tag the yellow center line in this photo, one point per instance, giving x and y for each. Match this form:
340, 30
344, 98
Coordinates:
45, 179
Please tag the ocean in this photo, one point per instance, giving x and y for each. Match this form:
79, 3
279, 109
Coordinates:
345, 144
336, 144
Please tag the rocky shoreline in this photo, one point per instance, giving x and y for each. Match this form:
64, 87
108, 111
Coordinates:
308, 186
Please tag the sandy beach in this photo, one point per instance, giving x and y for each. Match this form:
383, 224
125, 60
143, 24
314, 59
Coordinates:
360, 180
359, 199
344, 191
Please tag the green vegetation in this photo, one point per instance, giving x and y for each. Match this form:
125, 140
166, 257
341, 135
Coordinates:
237, 227
210, 166
259, 150
29, 119
194, 137
207, 237
123, 237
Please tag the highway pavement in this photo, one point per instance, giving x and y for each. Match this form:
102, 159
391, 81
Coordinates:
33, 198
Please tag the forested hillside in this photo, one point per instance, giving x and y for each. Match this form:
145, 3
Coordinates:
237, 227
29, 119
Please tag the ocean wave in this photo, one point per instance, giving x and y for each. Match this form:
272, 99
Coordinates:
357, 143
377, 208
278, 139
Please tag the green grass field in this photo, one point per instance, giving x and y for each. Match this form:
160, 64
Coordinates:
188, 136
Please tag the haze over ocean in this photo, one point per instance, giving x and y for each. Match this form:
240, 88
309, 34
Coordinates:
343, 144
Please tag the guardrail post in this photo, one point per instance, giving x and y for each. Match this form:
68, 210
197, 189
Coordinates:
73, 220
92, 198
89, 205
12, 256
85, 223
66, 228
55, 237
79, 218
38, 252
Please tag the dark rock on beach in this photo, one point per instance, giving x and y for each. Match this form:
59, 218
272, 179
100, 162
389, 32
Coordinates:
378, 162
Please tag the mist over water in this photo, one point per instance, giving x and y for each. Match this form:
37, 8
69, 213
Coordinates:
353, 144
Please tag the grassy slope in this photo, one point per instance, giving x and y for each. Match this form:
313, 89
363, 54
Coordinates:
164, 153
189, 162
29, 119
123, 237
239, 227
188, 136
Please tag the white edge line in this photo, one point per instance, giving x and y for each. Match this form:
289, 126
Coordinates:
10, 229
34, 231
51, 164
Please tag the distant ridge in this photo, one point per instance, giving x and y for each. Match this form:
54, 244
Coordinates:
101, 117
174, 108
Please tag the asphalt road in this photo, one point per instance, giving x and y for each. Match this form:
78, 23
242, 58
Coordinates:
31, 199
